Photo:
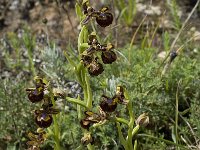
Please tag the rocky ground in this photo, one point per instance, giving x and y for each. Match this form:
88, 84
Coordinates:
62, 23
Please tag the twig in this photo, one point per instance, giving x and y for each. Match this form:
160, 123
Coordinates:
175, 40
192, 131
70, 21
3, 14
176, 114
134, 35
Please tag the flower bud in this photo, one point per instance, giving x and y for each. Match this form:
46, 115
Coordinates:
44, 20
173, 55
143, 120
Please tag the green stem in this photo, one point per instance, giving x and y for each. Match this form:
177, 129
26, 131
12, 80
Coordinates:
56, 127
31, 63
93, 28
89, 93
130, 125
29, 43
76, 101
79, 109
82, 38
56, 134
177, 113
176, 118
135, 145
79, 70
85, 91
121, 120
131, 122
85, 95
81, 75
121, 138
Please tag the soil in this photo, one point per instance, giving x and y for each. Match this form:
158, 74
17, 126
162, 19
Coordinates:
62, 25
15, 14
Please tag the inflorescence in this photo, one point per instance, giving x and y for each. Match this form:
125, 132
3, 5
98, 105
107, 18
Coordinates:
43, 94
90, 59
43, 116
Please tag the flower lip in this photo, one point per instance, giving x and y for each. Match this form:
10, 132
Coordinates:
104, 19
34, 95
43, 117
43, 120
95, 68
108, 57
108, 104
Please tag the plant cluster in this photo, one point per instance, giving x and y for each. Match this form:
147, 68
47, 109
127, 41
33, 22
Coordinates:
89, 49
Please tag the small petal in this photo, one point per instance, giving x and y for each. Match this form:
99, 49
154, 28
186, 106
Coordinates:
119, 96
86, 20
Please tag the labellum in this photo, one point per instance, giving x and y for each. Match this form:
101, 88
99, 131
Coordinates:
104, 19
108, 104
108, 57
43, 119
34, 95
95, 68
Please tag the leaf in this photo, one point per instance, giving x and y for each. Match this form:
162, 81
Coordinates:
78, 11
